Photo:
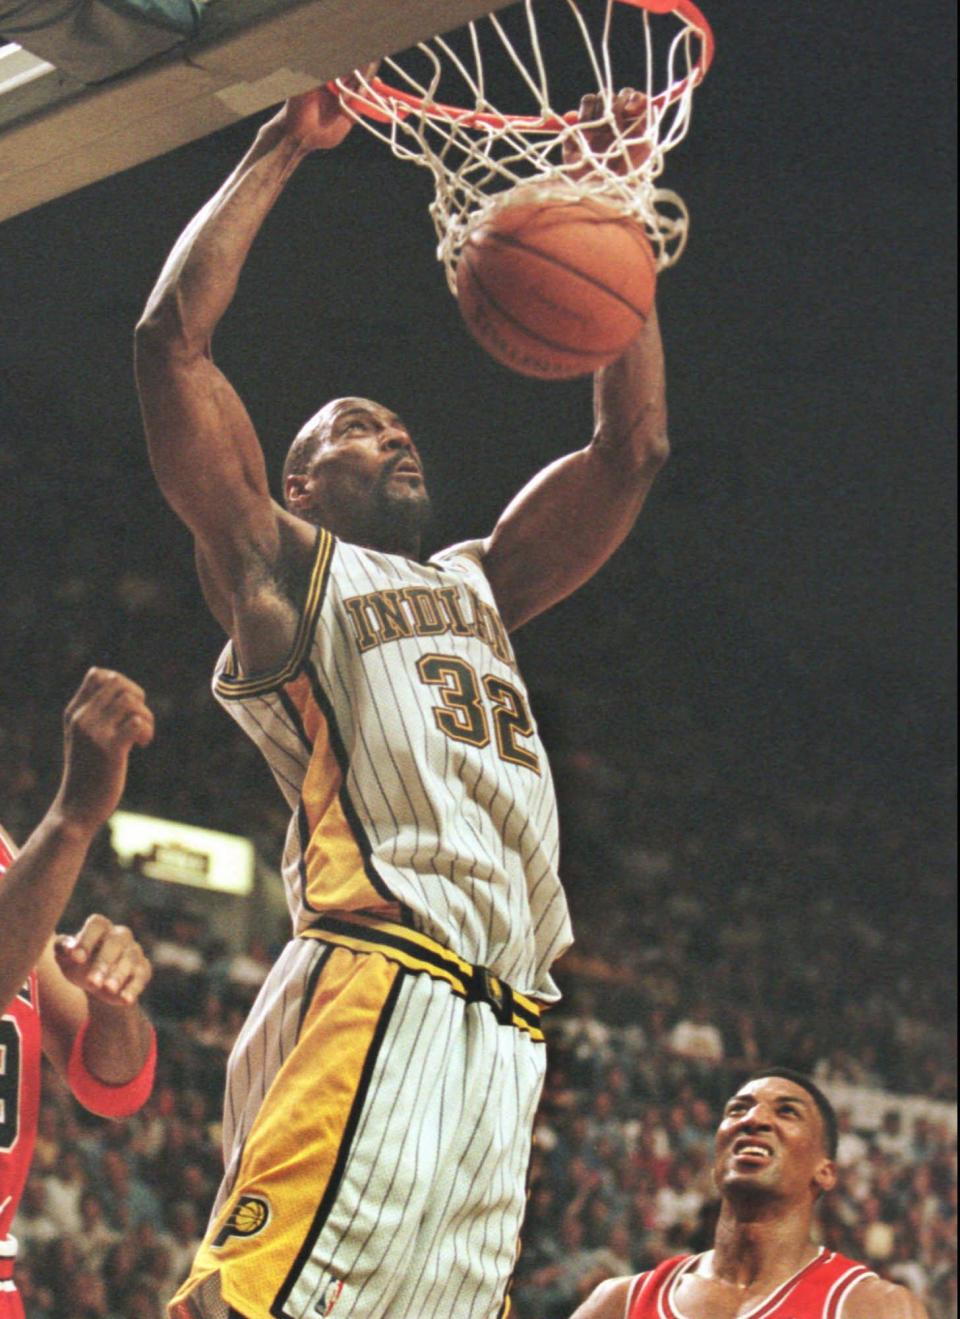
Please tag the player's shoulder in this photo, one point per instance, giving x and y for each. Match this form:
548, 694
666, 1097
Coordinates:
872, 1298
608, 1300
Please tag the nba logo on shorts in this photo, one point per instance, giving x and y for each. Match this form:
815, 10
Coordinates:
328, 1297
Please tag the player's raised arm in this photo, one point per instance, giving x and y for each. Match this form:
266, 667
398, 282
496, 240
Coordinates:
565, 524
105, 719
570, 518
203, 447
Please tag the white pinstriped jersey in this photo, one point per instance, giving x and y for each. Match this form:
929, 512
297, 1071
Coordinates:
399, 732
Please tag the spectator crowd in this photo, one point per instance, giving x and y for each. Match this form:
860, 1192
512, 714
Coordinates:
720, 946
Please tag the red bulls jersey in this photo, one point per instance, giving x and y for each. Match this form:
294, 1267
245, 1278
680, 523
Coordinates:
19, 1103
818, 1291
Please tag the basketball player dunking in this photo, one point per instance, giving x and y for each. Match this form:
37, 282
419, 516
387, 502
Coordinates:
775, 1148
381, 1095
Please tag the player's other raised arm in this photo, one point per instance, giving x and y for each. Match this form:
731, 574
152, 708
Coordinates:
107, 716
203, 448
565, 524
568, 520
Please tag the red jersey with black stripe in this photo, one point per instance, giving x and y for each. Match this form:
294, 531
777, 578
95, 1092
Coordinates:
817, 1291
19, 1105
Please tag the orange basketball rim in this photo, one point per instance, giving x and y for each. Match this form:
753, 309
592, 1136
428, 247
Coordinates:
433, 107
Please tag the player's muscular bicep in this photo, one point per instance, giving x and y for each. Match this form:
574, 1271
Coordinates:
560, 530
203, 447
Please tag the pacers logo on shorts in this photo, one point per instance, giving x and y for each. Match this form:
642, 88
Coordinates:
249, 1215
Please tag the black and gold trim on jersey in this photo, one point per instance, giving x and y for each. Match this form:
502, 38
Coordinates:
418, 952
231, 687
336, 856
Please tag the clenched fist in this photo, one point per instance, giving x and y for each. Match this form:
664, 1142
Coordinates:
105, 961
107, 716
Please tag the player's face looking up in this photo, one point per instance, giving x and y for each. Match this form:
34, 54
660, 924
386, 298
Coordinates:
771, 1144
355, 470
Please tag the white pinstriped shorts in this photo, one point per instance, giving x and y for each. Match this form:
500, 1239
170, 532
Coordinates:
379, 1110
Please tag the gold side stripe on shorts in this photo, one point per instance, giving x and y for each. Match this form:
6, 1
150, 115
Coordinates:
416, 952
235, 688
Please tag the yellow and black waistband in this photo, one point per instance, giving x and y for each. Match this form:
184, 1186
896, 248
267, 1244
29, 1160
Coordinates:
418, 952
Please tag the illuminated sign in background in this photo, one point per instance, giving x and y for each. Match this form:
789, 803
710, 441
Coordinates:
183, 854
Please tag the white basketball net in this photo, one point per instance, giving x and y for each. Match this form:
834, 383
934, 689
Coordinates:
477, 153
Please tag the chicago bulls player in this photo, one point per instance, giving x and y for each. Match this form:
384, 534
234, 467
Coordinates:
775, 1148
74, 998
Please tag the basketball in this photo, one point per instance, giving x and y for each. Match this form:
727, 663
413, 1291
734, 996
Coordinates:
555, 287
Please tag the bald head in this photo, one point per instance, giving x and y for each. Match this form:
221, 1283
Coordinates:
354, 469
314, 433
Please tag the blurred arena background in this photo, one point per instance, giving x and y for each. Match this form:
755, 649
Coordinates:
750, 711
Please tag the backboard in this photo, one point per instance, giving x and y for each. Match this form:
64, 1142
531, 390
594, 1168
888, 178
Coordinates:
57, 135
